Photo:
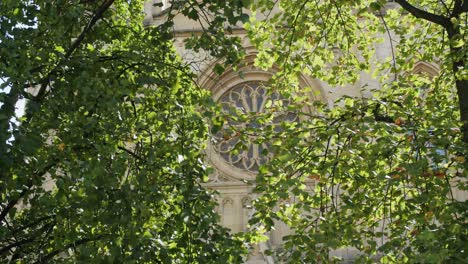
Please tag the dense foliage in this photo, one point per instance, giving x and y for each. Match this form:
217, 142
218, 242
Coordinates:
378, 172
105, 165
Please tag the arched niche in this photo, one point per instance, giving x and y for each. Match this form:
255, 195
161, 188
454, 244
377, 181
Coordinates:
422, 67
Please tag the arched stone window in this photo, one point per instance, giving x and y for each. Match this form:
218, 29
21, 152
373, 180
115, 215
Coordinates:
250, 97
245, 94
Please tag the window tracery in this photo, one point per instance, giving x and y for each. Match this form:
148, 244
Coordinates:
252, 99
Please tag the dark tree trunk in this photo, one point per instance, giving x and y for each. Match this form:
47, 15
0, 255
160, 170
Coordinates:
462, 91
458, 53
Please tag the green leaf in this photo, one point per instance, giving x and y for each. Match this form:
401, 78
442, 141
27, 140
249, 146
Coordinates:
218, 69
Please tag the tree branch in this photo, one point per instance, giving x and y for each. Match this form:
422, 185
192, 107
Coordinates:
11, 204
79, 242
15, 244
36, 222
130, 152
390, 39
419, 13
29, 184
459, 8
97, 16
32, 238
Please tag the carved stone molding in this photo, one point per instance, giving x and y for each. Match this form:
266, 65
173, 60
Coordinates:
228, 201
218, 177
246, 202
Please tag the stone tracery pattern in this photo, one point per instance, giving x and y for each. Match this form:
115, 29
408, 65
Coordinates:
246, 98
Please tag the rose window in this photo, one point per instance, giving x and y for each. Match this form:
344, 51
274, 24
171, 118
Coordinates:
247, 99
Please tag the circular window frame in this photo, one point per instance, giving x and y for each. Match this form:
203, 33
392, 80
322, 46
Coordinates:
216, 159
220, 84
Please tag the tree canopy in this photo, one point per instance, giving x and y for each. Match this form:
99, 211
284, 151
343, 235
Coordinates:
375, 173
107, 164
